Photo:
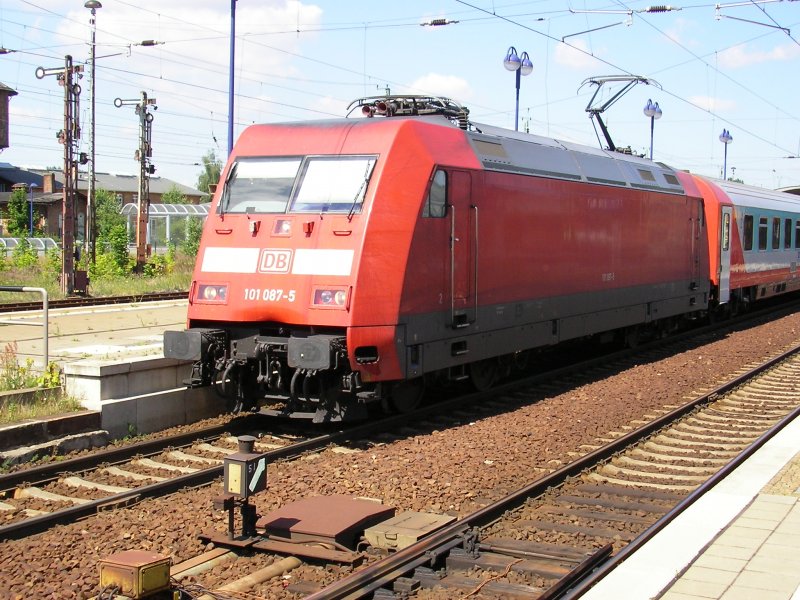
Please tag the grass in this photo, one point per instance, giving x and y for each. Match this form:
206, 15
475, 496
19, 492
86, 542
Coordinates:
178, 278
42, 403
46, 404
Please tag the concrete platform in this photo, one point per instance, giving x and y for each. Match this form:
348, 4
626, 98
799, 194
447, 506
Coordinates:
113, 362
738, 542
139, 394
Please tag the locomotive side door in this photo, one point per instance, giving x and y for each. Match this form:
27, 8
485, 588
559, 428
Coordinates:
726, 221
463, 250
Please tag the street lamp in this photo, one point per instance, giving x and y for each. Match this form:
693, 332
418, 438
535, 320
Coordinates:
230, 77
30, 211
726, 138
92, 5
523, 66
652, 110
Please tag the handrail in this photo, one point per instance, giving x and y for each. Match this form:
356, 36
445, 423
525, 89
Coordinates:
46, 336
475, 283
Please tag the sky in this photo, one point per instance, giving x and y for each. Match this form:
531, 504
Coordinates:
736, 67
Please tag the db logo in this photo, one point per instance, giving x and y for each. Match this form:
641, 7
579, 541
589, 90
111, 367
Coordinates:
275, 261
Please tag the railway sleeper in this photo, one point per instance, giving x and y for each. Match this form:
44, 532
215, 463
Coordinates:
78, 482
510, 591
754, 406
612, 490
706, 440
549, 568
670, 459
640, 484
627, 461
718, 419
735, 436
639, 507
596, 515
603, 533
677, 444
676, 477
561, 554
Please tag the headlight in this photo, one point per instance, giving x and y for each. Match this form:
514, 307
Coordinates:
330, 298
217, 294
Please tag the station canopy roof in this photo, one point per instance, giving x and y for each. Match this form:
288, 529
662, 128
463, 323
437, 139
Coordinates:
39, 244
164, 210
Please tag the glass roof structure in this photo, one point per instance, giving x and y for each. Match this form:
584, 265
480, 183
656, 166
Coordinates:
170, 210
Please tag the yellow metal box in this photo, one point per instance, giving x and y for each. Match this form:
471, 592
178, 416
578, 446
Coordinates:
136, 573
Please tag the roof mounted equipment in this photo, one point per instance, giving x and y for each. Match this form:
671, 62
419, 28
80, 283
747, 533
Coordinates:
595, 110
409, 105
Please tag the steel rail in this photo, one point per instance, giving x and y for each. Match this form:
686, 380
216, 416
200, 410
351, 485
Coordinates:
384, 571
204, 476
78, 301
52, 470
37, 524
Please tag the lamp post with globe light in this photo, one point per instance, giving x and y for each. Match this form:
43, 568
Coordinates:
523, 66
726, 138
652, 110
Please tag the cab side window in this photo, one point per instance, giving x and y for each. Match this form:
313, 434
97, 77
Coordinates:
436, 202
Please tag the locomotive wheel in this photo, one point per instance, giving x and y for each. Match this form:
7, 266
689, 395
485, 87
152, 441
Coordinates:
407, 395
482, 374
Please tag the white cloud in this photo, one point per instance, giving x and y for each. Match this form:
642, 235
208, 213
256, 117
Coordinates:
448, 86
712, 104
745, 56
574, 55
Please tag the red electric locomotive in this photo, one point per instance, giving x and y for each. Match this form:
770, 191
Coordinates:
348, 261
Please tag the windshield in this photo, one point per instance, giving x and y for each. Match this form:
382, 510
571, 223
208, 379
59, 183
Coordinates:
335, 184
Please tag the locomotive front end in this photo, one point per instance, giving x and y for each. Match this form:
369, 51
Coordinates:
269, 305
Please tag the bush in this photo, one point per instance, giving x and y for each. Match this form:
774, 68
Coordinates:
24, 256
14, 376
118, 247
105, 267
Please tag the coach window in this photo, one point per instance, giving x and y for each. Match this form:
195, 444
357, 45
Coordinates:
436, 202
797, 234
776, 233
763, 229
748, 232
787, 233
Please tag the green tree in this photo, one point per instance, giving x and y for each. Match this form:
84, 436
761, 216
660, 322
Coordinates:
174, 196
212, 167
194, 227
118, 242
107, 214
18, 217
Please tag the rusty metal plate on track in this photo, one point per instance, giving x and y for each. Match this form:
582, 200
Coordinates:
332, 519
309, 551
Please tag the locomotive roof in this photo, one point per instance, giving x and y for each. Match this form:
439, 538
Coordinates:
503, 150
508, 151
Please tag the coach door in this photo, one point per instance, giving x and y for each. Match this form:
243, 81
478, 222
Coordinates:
726, 222
463, 250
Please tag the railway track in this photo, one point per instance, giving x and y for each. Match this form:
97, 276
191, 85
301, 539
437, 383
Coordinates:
56, 493
455, 413
35, 499
78, 301
543, 539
